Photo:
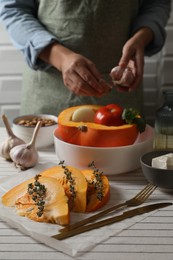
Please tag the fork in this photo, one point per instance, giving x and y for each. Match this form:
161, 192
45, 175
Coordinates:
140, 198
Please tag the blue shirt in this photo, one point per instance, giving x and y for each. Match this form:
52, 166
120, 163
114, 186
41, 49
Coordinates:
29, 35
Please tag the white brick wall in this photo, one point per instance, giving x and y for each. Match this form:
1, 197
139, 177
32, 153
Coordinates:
11, 63
166, 65
158, 75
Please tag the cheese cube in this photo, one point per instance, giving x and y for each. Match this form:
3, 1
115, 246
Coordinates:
170, 163
161, 161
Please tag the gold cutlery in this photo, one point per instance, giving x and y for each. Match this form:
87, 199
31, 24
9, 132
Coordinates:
111, 220
135, 201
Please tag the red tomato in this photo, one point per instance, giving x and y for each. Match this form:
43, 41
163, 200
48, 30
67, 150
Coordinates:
110, 115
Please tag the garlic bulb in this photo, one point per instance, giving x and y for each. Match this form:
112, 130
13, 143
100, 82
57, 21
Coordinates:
116, 73
10, 142
122, 77
25, 156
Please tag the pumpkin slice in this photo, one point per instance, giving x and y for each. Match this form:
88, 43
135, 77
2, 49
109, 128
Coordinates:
56, 202
79, 187
92, 134
94, 200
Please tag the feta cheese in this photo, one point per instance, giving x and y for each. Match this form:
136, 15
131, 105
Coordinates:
163, 161
170, 163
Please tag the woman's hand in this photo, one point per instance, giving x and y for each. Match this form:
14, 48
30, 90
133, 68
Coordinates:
133, 59
80, 75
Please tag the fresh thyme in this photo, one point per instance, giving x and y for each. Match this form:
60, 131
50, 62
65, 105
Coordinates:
70, 179
98, 183
38, 192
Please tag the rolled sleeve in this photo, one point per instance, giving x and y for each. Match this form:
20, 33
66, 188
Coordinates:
33, 48
154, 15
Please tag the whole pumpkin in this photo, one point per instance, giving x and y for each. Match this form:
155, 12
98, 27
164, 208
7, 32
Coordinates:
92, 134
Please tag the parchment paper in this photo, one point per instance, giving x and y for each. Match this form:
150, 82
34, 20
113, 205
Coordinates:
43, 231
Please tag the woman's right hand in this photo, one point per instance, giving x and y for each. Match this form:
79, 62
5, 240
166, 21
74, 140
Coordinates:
80, 75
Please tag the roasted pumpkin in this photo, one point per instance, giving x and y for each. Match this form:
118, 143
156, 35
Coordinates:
96, 197
75, 189
56, 208
46, 197
92, 134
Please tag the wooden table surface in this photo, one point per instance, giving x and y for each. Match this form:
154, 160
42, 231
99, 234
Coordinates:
150, 238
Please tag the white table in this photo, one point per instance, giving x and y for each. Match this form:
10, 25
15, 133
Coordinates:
151, 238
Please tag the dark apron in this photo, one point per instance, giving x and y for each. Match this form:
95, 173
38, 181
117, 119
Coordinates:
96, 29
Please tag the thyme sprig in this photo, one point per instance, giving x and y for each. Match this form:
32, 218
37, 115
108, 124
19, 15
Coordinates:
38, 193
97, 182
70, 179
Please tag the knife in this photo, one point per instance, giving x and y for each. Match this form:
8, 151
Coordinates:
108, 221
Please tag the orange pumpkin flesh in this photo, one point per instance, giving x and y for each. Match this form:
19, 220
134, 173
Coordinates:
79, 204
91, 134
93, 203
56, 208
56, 203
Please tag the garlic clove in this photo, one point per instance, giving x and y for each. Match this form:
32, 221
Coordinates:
10, 142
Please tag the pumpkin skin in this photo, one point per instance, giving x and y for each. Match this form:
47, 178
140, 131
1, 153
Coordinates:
92, 134
93, 203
